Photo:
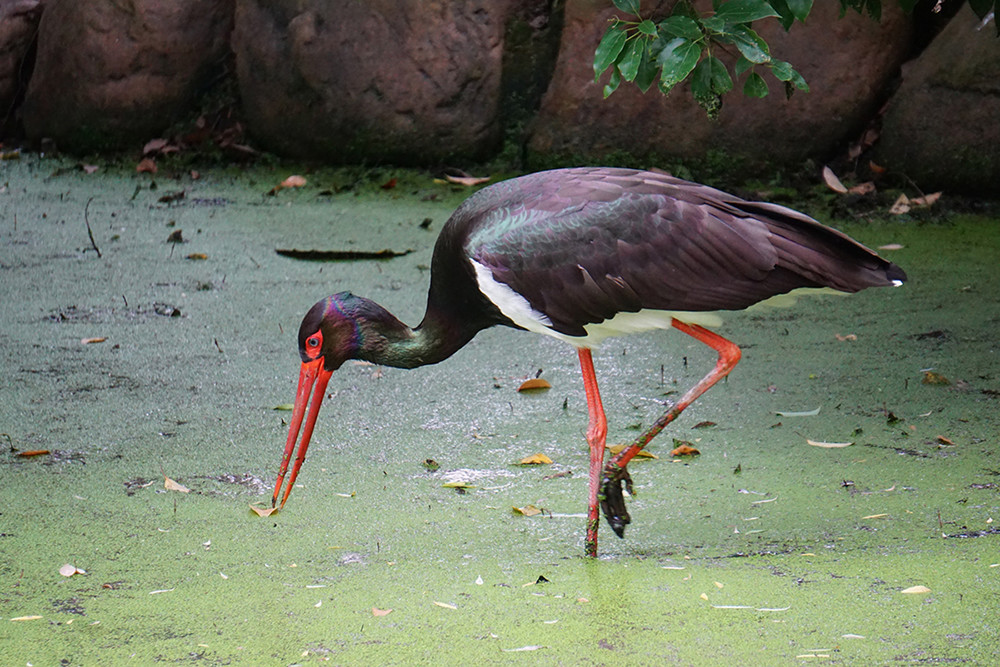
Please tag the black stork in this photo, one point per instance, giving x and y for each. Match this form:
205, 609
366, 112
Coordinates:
583, 254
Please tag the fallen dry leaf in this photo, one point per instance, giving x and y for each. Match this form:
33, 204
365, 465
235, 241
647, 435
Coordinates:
467, 180
89, 341
263, 511
891, 246
380, 612
294, 181
914, 590
69, 570
89, 168
641, 454
845, 337
900, 206
535, 459
533, 385
942, 440
445, 605
926, 200
930, 377
458, 485
146, 166
527, 510
862, 188
26, 618
154, 146
832, 181
829, 445
171, 485
389, 185
876, 168
33, 452
197, 256
684, 449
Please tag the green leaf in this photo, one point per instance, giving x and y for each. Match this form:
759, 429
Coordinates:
800, 8
681, 26
607, 51
630, 57
745, 11
647, 27
785, 15
648, 70
721, 81
750, 44
677, 59
630, 6
613, 82
982, 7
742, 65
781, 70
755, 86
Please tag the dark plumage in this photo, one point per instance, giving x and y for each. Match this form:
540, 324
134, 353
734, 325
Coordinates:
564, 252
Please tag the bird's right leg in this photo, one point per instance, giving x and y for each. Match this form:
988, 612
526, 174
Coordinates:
612, 499
597, 431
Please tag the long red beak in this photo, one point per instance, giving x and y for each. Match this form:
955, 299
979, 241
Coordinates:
312, 373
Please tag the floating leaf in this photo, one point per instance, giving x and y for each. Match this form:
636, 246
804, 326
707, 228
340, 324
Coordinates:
467, 180
891, 246
527, 510
171, 485
942, 440
915, 590
536, 459
26, 618
684, 449
263, 511
91, 341
533, 647
431, 465
33, 452
641, 454
803, 413
533, 385
832, 181
829, 445
389, 185
197, 256
285, 406
146, 166
900, 206
930, 377
458, 485
380, 612
704, 424
69, 570
445, 605
294, 181
845, 337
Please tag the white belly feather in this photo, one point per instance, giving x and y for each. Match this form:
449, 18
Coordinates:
519, 311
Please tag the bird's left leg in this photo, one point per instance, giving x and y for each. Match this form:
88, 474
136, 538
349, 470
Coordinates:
612, 499
597, 431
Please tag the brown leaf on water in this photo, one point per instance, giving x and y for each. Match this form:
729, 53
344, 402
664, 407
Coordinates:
90, 341
641, 454
263, 511
467, 180
930, 377
862, 188
828, 445
171, 485
891, 246
146, 166
527, 510
876, 168
915, 590
389, 185
535, 459
534, 385
33, 452
68, 570
832, 181
900, 206
926, 200
942, 440
684, 448
294, 181
704, 424
197, 256
154, 146
380, 612
845, 337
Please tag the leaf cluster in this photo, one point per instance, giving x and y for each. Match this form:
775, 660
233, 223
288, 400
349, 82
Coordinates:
684, 46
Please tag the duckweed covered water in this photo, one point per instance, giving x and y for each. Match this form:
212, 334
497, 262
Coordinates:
762, 550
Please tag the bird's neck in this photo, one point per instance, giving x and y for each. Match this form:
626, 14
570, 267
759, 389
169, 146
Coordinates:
389, 342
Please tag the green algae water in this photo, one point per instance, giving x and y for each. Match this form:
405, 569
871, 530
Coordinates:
166, 356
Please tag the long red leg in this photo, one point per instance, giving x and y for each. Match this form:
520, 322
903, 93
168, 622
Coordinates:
612, 502
597, 431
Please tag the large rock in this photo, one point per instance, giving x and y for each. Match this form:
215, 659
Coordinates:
942, 128
111, 74
406, 81
846, 61
18, 23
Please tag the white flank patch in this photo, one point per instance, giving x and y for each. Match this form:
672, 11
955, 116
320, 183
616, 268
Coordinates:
519, 311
